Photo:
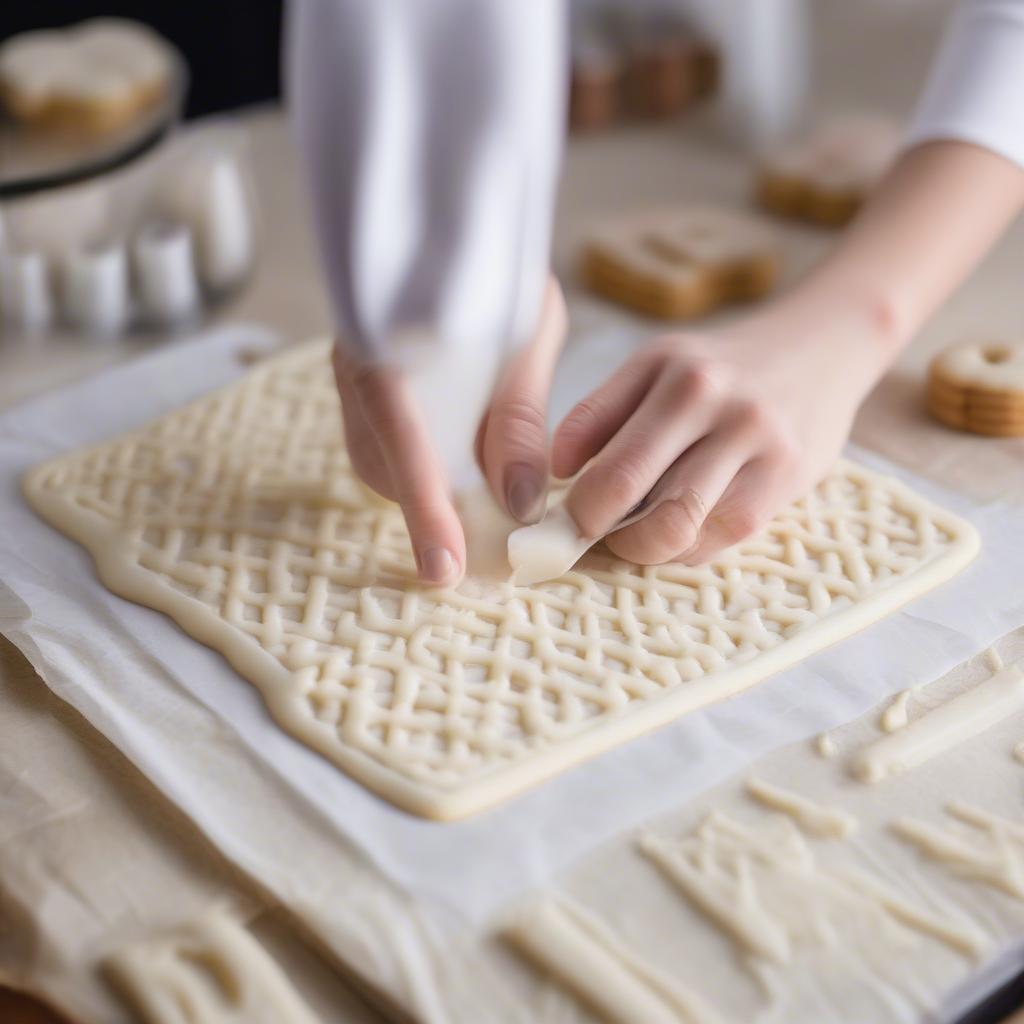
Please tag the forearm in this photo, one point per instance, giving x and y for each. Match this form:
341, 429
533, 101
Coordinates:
717, 431
939, 210
943, 204
928, 224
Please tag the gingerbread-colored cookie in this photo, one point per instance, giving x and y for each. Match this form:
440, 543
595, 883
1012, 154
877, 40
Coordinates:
627, 64
825, 177
680, 263
595, 86
995, 401
979, 387
976, 427
974, 411
667, 73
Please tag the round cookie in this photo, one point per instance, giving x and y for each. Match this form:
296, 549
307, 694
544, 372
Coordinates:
989, 399
947, 410
90, 78
979, 386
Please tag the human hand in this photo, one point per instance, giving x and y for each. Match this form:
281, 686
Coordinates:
729, 427
715, 431
390, 449
392, 452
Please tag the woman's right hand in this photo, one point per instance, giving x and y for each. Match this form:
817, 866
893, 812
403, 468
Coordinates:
392, 451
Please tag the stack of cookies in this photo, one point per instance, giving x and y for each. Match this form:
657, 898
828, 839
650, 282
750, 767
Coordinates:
629, 66
979, 387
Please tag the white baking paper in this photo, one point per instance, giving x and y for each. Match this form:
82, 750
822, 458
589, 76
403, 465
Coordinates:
133, 674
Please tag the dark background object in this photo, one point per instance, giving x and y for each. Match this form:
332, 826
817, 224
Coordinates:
16, 1008
999, 1006
232, 47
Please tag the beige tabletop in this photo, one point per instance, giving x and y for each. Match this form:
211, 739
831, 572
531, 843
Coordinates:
74, 800
71, 791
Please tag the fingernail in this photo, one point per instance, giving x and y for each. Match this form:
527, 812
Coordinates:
637, 508
436, 565
524, 491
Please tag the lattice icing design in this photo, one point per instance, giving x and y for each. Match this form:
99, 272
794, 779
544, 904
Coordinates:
240, 517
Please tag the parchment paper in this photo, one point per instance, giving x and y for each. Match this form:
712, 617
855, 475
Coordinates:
131, 673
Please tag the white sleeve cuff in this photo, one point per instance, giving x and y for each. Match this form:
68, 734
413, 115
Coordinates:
975, 91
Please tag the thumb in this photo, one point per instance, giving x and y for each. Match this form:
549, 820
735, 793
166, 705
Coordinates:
512, 445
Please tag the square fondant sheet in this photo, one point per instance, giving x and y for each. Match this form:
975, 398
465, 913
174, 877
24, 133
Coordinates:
240, 517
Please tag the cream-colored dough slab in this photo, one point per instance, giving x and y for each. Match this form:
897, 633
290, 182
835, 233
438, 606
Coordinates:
207, 971
942, 728
578, 949
239, 516
815, 819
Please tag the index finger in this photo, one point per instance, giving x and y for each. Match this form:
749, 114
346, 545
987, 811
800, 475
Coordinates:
417, 477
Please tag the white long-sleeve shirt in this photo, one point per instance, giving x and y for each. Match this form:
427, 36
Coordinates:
431, 133
975, 91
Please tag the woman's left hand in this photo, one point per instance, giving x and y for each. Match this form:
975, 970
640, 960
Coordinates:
714, 432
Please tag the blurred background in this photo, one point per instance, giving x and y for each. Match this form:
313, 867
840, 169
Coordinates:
232, 47
183, 209
188, 211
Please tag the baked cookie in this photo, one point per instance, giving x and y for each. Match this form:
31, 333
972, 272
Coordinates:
628, 65
681, 262
595, 86
91, 78
827, 176
979, 387
668, 70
